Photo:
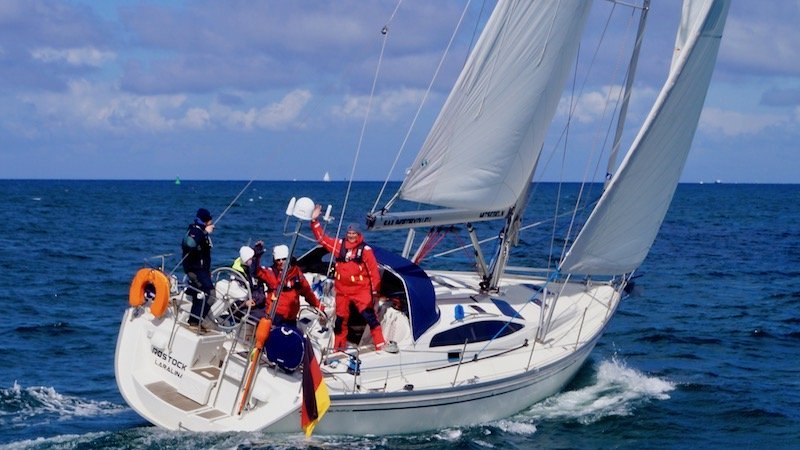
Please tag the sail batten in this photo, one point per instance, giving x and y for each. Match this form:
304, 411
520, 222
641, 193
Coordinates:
483, 147
620, 231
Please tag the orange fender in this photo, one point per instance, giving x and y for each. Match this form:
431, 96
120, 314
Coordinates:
160, 283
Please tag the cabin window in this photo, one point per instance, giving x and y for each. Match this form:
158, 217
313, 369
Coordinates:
475, 332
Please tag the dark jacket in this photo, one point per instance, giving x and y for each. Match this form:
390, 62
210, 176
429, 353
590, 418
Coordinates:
196, 246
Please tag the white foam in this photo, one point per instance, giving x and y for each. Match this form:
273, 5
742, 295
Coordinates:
43, 400
514, 427
616, 391
449, 434
62, 441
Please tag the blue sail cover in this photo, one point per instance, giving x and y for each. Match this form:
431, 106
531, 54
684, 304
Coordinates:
422, 310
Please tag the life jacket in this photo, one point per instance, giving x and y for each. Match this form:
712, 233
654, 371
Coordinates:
357, 253
257, 287
292, 279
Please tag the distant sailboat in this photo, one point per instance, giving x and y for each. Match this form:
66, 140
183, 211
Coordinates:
177, 180
326, 177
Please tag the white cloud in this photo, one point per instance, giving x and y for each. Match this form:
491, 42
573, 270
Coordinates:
279, 115
86, 56
597, 105
734, 123
386, 106
197, 118
94, 107
97, 107
762, 44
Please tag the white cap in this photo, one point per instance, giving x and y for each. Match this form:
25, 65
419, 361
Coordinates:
246, 253
280, 252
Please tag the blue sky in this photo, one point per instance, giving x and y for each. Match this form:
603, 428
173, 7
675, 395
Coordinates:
272, 90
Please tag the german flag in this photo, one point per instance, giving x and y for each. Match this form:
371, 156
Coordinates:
316, 399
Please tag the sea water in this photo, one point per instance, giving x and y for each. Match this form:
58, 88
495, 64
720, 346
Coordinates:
703, 354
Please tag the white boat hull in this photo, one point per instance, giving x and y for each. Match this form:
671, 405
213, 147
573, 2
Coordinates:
181, 380
471, 405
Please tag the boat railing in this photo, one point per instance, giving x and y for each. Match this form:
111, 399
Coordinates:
243, 338
241, 331
185, 293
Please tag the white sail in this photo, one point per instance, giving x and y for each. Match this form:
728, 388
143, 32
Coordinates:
620, 231
484, 145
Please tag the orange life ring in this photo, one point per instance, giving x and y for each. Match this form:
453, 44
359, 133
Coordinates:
160, 283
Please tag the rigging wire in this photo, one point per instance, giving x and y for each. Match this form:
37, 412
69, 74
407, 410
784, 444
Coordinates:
216, 221
583, 187
581, 197
233, 202
421, 105
583, 181
584, 200
385, 37
571, 112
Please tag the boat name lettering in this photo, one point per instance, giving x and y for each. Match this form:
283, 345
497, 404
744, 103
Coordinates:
170, 361
499, 213
410, 221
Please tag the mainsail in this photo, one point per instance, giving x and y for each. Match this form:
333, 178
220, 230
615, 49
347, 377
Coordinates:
483, 147
618, 234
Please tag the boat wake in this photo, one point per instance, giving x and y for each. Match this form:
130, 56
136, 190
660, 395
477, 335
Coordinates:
613, 390
616, 390
42, 404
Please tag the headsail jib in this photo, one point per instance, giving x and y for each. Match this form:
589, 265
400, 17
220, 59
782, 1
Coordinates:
621, 229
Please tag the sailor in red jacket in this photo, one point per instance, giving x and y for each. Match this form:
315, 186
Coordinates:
294, 286
357, 280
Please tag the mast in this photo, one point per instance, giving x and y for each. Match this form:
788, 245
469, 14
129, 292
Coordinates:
509, 237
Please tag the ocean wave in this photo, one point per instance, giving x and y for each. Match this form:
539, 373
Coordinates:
64, 441
617, 390
40, 404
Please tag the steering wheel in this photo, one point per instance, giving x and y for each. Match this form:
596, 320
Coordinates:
309, 320
232, 292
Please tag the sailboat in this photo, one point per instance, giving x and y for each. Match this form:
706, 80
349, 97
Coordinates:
464, 347
326, 177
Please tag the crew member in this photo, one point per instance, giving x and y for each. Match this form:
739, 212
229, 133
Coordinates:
294, 286
247, 265
357, 280
196, 248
